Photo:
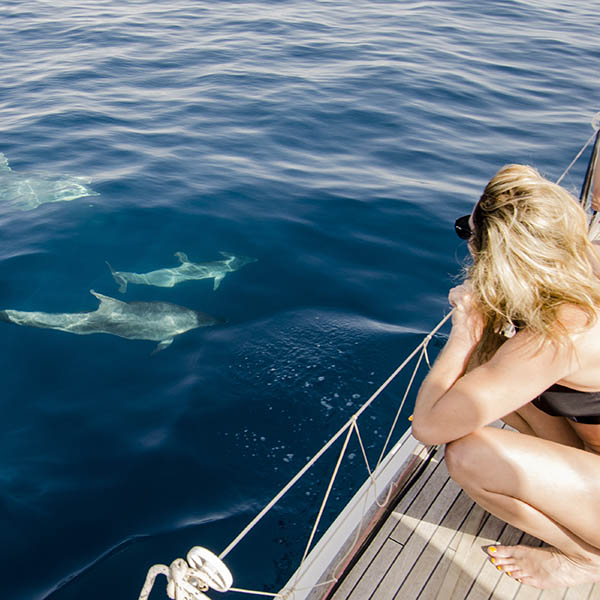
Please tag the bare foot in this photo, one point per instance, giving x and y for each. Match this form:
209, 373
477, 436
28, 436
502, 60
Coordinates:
544, 567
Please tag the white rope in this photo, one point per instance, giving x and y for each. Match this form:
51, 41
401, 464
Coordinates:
285, 594
596, 126
406, 392
327, 493
255, 592
153, 572
331, 441
354, 426
283, 491
358, 531
425, 350
372, 476
363, 450
187, 580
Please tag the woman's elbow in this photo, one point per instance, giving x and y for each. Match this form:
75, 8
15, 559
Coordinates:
425, 434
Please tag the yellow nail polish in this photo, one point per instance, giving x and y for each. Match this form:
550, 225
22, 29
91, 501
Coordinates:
508, 573
492, 549
499, 568
493, 560
410, 418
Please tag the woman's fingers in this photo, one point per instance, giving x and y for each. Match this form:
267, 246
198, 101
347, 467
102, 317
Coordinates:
467, 320
461, 296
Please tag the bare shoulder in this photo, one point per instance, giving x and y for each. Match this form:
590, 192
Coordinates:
574, 318
585, 338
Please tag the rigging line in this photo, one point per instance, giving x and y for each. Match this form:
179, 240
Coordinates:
364, 452
587, 191
285, 594
426, 356
284, 490
373, 483
372, 477
331, 441
577, 157
406, 392
371, 473
327, 493
358, 532
254, 592
359, 527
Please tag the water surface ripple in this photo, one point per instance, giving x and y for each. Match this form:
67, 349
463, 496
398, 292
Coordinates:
334, 141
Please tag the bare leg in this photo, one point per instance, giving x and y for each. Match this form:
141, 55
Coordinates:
544, 488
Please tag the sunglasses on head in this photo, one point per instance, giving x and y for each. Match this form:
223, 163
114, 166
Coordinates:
463, 228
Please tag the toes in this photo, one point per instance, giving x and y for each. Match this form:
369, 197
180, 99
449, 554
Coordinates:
503, 564
516, 572
508, 569
499, 552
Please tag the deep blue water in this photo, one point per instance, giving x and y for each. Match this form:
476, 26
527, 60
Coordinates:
334, 141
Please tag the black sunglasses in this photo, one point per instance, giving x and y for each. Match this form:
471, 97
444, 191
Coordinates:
462, 227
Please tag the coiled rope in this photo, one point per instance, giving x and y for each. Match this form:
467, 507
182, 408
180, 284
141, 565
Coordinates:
188, 580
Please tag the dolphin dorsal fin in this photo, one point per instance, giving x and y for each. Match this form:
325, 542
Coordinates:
226, 255
182, 256
4, 163
107, 301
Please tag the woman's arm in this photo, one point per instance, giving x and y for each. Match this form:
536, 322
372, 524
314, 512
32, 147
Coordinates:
467, 327
451, 405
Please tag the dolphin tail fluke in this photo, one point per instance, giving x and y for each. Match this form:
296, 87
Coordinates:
217, 282
161, 346
121, 281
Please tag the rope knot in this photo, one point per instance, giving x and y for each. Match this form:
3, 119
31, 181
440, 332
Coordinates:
188, 580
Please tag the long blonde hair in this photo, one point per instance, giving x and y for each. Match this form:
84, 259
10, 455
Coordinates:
531, 254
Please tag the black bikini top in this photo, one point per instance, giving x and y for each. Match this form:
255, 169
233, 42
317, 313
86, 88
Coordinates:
561, 401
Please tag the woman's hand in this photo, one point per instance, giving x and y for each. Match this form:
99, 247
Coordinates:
467, 319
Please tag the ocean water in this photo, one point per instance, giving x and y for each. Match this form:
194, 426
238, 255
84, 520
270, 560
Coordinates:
335, 141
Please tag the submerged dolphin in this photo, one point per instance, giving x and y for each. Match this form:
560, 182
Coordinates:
186, 270
26, 192
158, 321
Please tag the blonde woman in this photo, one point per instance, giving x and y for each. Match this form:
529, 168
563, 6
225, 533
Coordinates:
533, 271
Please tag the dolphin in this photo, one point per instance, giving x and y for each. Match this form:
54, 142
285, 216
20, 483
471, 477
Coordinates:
26, 192
171, 276
157, 321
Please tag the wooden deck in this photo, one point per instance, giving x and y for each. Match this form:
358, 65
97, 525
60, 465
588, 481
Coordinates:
429, 548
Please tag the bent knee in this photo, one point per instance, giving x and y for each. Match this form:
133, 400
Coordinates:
464, 456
